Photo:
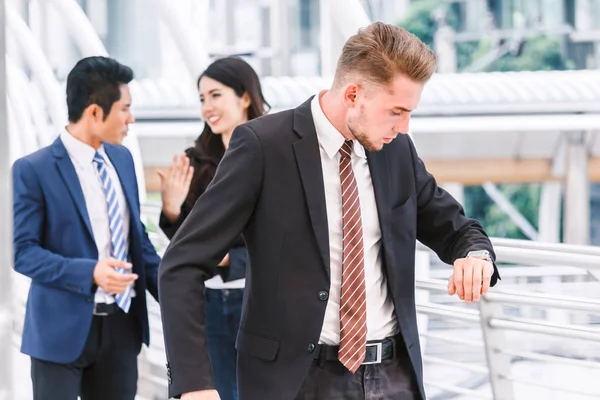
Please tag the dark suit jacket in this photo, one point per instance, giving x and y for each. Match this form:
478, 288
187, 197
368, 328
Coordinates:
54, 246
269, 186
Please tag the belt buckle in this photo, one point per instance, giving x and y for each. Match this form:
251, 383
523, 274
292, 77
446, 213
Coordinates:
378, 349
98, 313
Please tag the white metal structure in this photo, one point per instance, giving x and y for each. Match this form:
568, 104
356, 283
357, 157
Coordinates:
6, 315
474, 94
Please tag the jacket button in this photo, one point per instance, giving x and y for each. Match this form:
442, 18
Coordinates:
323, 295
310, 348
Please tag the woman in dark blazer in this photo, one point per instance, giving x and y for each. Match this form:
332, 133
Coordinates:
230, 94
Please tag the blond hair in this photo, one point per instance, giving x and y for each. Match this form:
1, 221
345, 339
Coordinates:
380, 52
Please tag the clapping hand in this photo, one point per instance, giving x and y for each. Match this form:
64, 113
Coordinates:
175, 186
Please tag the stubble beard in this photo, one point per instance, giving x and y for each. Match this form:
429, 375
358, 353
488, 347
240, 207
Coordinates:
363, 139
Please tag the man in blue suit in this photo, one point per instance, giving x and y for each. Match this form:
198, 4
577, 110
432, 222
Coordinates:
79, 237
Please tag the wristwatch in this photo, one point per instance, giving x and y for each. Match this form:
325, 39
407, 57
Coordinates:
481, 254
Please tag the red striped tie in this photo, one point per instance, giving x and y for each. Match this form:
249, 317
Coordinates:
353, 306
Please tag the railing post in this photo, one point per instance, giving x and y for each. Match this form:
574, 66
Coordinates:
498, 363
577, 195
423, 266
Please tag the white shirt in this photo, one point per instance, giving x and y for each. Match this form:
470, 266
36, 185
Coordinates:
381, 319
82, 156
216, 282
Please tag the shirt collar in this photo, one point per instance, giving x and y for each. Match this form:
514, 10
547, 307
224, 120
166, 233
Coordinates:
330, 139
81, 152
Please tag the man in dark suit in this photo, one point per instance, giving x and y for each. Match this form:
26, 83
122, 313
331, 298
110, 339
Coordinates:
79, 237
330, 200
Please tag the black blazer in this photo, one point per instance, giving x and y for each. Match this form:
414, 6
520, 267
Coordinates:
269, 186
237, 253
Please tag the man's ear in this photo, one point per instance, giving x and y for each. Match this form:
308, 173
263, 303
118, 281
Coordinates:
94, 112
350, 94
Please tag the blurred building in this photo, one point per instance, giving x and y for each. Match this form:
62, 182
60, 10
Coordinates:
282, 38
576, 22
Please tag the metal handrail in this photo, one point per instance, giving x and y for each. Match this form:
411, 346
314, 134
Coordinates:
448, 311
533, 245
551, 386
38, 63
456, 364
546, 257
532, 253
23, 132
519, 324
533, 326
451, 339
550, 358
35, 108
457, 389
515, 297
515, 353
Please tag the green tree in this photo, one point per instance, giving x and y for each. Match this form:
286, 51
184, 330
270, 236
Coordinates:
419, 19
525, 198
535, 54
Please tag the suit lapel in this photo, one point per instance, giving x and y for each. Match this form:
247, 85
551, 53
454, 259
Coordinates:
69, 176
308, 158
378, 166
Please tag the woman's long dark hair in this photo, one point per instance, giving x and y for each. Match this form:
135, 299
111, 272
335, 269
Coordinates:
241, 77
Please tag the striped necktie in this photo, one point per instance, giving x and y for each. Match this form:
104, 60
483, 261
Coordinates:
353, 305
115, 218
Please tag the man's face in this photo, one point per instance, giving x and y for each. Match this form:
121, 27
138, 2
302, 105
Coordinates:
114, 128
379, 114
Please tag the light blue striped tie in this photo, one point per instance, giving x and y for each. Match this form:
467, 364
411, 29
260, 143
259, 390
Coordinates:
119, 250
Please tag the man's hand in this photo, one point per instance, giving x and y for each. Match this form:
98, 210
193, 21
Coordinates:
201, 395
471, 278
110, 280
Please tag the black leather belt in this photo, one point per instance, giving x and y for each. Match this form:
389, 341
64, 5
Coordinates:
103, 309
375, 351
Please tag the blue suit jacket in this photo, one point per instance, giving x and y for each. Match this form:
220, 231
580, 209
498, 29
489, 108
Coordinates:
54, 246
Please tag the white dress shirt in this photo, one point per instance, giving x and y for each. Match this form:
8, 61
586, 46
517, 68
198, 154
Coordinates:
381, 319
82, 156
216, 282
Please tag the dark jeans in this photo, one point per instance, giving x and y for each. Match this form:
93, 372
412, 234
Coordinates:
223, 314
106, 369
390, 380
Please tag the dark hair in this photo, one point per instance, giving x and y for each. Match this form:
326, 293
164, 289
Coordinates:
241, 77
95, 80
